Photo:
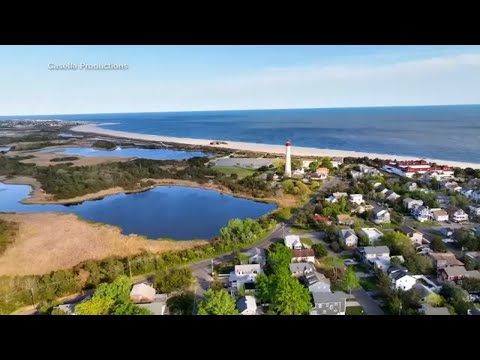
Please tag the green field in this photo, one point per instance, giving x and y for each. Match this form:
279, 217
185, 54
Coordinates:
354, 310
228, 170
296, 230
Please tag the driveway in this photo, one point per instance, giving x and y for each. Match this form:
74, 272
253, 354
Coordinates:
367, 303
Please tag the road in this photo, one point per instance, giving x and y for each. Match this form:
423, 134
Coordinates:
368, 304
202, 270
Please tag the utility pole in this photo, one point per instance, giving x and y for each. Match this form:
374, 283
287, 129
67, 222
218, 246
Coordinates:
212, 268
129, 268
33, 298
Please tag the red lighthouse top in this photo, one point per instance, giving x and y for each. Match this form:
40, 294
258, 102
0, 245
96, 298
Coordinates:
288, 143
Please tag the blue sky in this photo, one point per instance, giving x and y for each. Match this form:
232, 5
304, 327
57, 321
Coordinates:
187, 78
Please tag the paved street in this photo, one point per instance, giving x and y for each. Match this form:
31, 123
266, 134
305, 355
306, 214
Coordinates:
368, 304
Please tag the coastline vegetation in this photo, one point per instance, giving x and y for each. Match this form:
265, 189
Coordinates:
104, 145
8, 230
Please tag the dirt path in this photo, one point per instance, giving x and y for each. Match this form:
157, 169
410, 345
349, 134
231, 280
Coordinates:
52, 241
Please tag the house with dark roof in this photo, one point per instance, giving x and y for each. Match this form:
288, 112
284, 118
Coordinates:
317, 282
299, 269
329, 303
415, 236
402, 280
430, 310
247, 305
348, 238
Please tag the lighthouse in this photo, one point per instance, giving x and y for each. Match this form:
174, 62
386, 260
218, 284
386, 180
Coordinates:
288, 159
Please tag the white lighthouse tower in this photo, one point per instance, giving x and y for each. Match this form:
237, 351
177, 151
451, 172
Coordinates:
288, 159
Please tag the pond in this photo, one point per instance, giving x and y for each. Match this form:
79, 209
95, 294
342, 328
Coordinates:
4, 148
152, 154
176, 212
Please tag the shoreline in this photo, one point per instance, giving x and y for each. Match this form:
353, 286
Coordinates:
262, 148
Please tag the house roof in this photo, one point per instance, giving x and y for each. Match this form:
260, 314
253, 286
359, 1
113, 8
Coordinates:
301, 267
143, 290
371, 231
380, 188
315, 277
430, 310
291, 240
325, 297
449, 258
255, 251
322, 171
473, 274
303, 253
247, 303
344, 233
248, 268
398, 274
440, 212
343, 217
158, 306
455, 271
376, 250
407, 230
377, 209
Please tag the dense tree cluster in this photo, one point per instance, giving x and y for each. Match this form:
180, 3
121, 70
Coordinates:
217, 302
466, 239
8, 230
173, 280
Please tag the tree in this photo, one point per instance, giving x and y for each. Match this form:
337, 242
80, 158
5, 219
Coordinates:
241, 258
471, 285
129, 308
269, 177
181, 304
290, 297
167, 281
96, 306
438, 245
217, 303
279, 256
263, 287
320, 250
350, 280
394, 305
334, 263
434, 299
313, 166
118, 290
326, 163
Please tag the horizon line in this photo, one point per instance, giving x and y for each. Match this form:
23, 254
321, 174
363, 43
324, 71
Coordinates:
256, 109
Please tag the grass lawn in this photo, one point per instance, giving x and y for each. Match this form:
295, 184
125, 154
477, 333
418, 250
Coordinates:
369, 283
425, 223
228, 170
306, 241
354, 310
296, 230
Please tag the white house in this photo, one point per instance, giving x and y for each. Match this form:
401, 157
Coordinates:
372, 234
410, 203
320, 174
452, 185
415, 236
457, 215
293, 242
411, 186
356, 199
391, 195
298, 173
401, 280
303, 255
380, 215
335, 197
244, 274
317, 282
247, 305
374, 252
439, 215
421, 213
336, 161
142, 293
474, 210
348, 238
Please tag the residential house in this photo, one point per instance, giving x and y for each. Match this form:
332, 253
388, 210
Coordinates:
306, 163
402, 280
372, 234
335, 197
380, 215
415, 236
473, 312
326, 219
66, 308
343, 219
303, 255
247, 305
356, 199
158, 306
447, 231
293, 242
472, 194
381, 189
300, 269
443, 200
430, 310
256, 256
443, 260
348, 238
317, 282
452, 185
368, 170
336, 161
439, 215
356, 174
320, 174
474, 210
329, 303
244, 274
474, 274
411, 186
454, 274
391, 195
421, 213
457, 215
142, 293
378, 256
473, 256
298, 173
410, 203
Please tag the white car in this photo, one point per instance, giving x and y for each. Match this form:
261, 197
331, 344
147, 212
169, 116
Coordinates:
349, 262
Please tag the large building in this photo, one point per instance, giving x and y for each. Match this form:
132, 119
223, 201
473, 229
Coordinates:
288, 159
412, 167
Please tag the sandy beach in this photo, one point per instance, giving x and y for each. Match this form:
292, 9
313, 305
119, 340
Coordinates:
267, 148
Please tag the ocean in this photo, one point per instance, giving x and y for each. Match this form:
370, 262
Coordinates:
438, 132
